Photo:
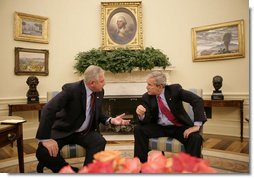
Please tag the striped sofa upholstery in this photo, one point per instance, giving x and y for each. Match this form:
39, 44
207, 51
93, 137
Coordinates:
166, 144
68, 151
72, 151
170, 144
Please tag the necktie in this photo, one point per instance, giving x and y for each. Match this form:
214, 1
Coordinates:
92, 106
167, 112
91, 114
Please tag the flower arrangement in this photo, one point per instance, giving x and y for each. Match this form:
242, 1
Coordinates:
112, 162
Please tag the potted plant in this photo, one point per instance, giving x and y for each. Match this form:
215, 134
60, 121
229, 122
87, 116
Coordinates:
121, 60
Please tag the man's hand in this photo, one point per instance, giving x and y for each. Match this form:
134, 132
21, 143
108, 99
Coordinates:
118, 120
140, 110
51, 146
190, 130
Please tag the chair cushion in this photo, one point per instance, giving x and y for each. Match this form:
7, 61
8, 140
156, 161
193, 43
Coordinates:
166, 144
72, 151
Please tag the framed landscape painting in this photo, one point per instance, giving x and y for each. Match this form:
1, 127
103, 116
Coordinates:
31, 28
121, 25
31, 61
219, 41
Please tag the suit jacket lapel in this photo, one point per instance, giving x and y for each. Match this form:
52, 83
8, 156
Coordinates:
84, 97
168, 98
96, 96
154, 103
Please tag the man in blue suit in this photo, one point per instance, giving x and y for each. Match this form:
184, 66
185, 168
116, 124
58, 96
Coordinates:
73, 116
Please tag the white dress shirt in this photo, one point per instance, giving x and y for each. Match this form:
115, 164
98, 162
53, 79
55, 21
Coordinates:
88, 108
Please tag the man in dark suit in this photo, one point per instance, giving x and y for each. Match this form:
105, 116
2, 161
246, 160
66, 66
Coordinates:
73, 116
162, 114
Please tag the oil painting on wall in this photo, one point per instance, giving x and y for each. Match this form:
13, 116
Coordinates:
30, 28
220, 41
121, 25
31, 61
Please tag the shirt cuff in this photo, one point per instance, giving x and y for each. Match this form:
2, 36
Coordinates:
108, 121
42, 140
198, 123
141, 117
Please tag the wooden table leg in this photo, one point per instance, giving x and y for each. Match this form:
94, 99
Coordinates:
20, 149
241, 120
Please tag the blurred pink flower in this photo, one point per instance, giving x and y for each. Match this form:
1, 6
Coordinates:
129, 165
98, 167
112, 162
66, 169
156, 163
183, 162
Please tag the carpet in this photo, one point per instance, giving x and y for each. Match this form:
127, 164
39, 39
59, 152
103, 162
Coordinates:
224, 163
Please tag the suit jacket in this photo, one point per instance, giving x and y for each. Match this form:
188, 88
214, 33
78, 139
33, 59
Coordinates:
66, 112
175, 95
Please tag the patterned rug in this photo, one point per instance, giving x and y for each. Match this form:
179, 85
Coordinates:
224, 163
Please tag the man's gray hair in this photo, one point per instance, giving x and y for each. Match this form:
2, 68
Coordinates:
160, 78
92, 73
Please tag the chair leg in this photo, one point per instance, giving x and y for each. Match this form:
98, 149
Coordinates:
40, 167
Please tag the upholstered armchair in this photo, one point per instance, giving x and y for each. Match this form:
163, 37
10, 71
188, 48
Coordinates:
68, 151
167, 144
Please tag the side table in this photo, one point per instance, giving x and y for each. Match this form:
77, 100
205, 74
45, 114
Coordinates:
26, 107
11, 131
228, 103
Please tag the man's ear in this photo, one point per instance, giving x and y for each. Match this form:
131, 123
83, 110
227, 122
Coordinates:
161, 86
92, 83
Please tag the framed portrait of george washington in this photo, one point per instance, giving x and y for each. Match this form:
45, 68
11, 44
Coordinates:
121, 25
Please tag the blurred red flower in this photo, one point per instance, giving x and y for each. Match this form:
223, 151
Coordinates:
112, 162
184, 163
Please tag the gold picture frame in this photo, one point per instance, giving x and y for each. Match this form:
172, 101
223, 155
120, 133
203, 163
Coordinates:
127, 14
31, 28
31, 61
218, 42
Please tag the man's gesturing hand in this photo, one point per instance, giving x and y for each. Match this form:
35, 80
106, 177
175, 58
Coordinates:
140, 110
118, 120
